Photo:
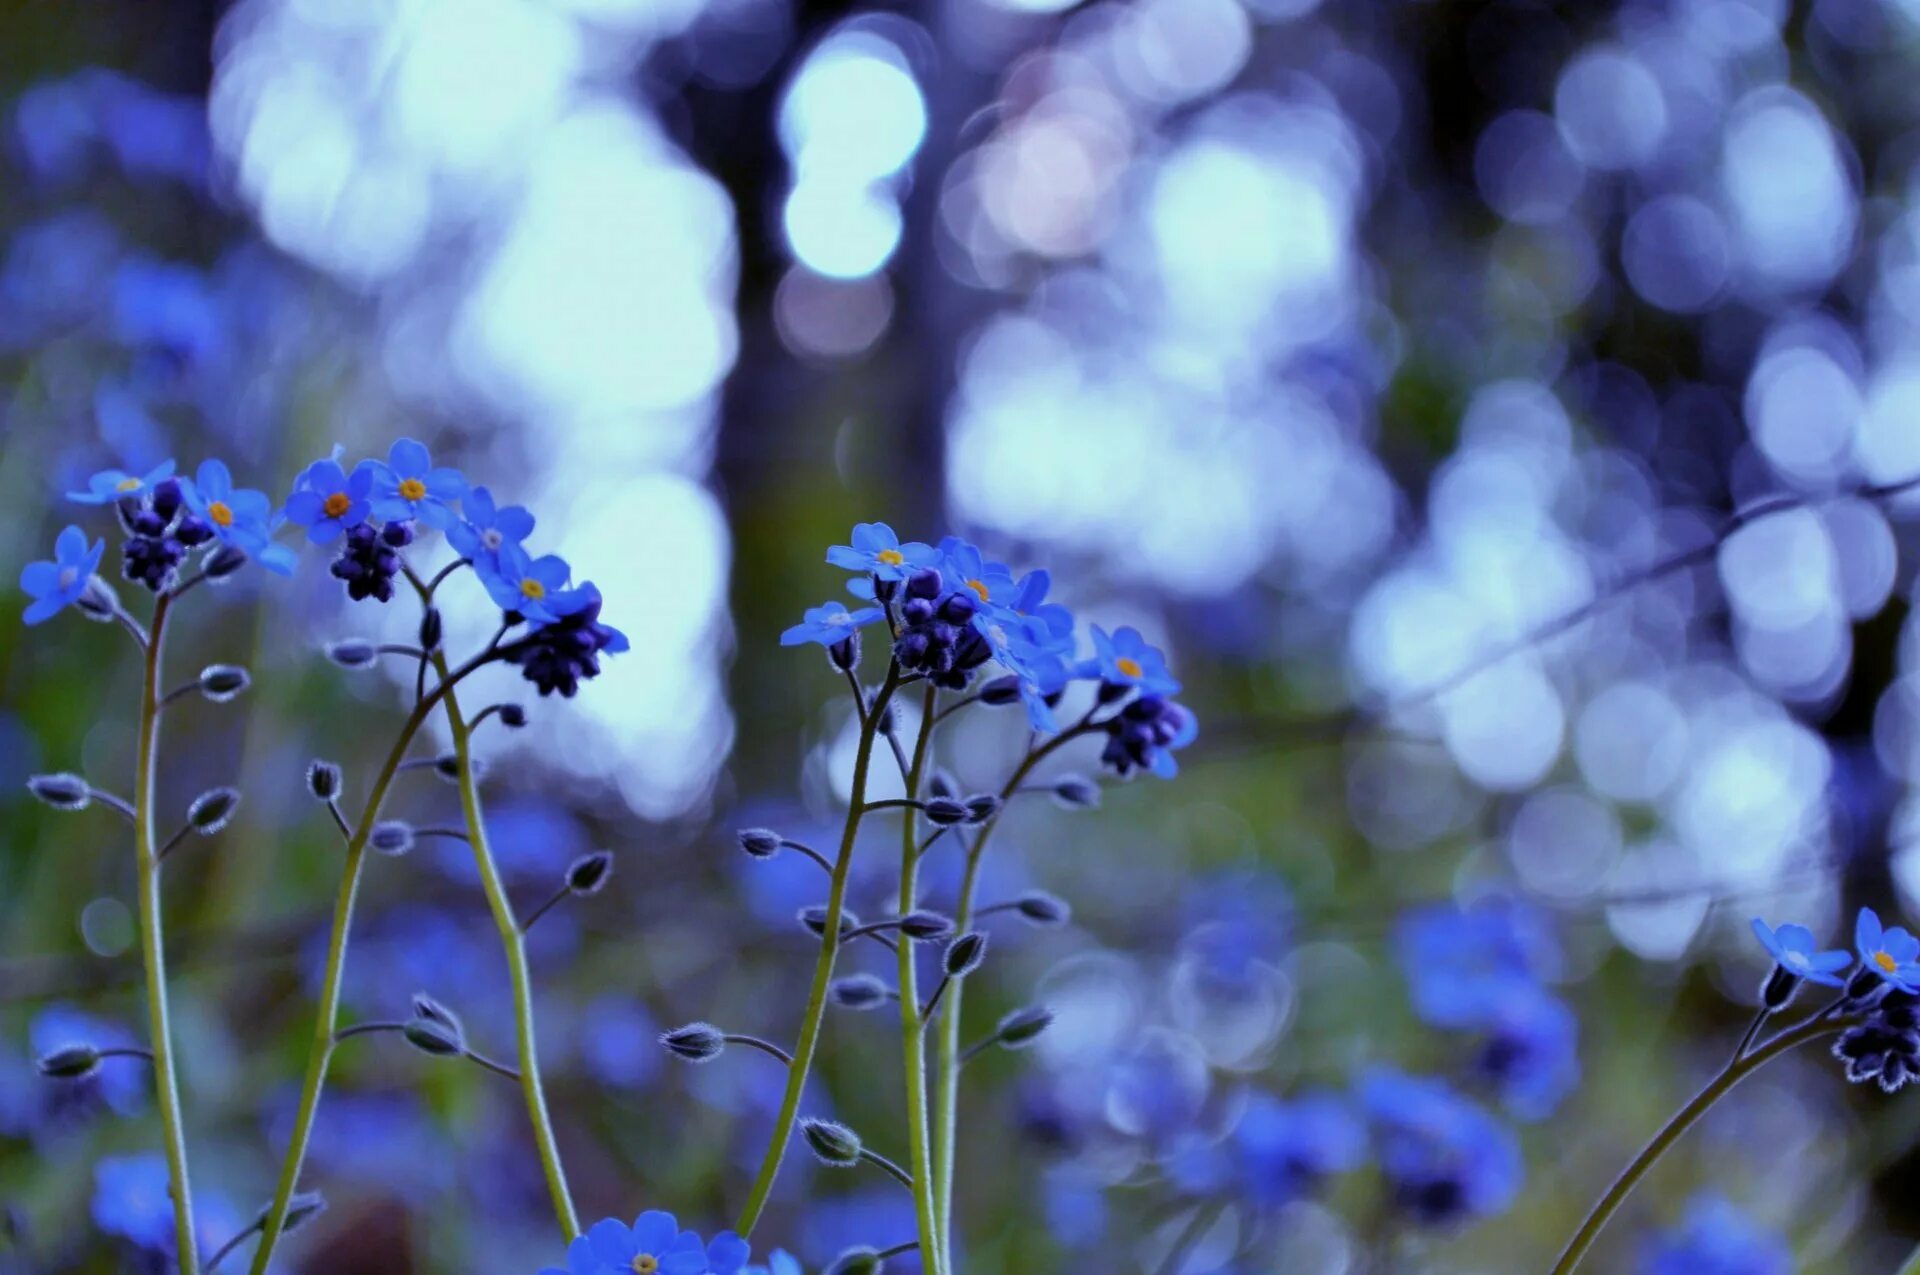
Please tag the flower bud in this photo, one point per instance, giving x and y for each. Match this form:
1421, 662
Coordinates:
964, 954
1076, 792
1001, 691
923, 926
69, 1062
859, 992
944, 812
888, 719
695, 1043
1778, 989
589, 872
1023, 1026
391, 837
221, 682
63, 791
302, 1208
99, 603
513, 716
353, 653
942, 783
1043, 908
425, 1006
431, 630
434, 1029
447, 766
924, 583
212, 809
981, 807
833, 1143
857, 1261
223, 562
814, 918
323, 780
844, 655
761, 843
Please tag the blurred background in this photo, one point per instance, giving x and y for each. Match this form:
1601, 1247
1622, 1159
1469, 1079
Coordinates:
1499, 411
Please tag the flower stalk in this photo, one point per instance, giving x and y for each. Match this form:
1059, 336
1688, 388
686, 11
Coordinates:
912, 1020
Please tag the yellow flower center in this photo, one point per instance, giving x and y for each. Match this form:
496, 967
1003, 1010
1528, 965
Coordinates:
1885, 962
127, 484
892, 557
412, 488
220, 513
646, 1264
532, 588
1128, 666
338, 504
979, 587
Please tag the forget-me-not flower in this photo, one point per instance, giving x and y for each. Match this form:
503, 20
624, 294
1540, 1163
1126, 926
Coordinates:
110, 485
408, 486
1795, 950
829, 623
653, 1245
1892, 954
488, 528
877, 551
1125, 658
326, 500
518, 581
58, 584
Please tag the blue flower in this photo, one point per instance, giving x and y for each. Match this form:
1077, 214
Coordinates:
654, 1244
110, 485
519, 582
326, 500
1463, 965
780, 1263
829, 623
559, 654
1889, 953
1055, 622
239, 516
1716, 1239
1794, 950
1284, 1149
131, 1200
877, 551
1531, 1054
488, 528
963, 566
1126, 659
58, 584
727, 1254
1445, 1160
407, 486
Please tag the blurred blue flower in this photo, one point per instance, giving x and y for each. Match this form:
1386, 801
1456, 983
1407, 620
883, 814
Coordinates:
110, 485
877, 551
829, 623
1285, 1148
58, 584
1075, 1207
1715, 1238
1795, 950
654, 1245
519, 582
1446, 1161
780, 1263
326, 500
727, 1254
1156, 1089
1236, 922
131, 1200
1531, 1055
1889, 953
1124, 658
1464, 964
873, 1216
55, 275
167, 309
122, 1087
487, 528
407, 486
618, 1041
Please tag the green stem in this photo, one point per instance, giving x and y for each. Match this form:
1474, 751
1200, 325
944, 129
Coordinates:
1912, 1265
823, 968
513, 942
1736, 1070
912, 1026
153, 958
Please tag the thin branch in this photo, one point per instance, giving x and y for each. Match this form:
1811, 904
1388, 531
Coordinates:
339, 820
119, 805
172, 841
893, 1170
933, 1001
764, 1046
810, 852
444, 572
542, 910
456, 834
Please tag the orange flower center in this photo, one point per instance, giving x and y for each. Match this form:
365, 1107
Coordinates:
127, 484
338, 504
220, 513
979, 587
646, 1264
892, 557
412, 488
1885, 962
1128, 666
531, 588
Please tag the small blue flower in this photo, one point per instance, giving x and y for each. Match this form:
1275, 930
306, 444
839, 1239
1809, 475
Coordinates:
828, 624
407, 486
239, 516
1446, 1160
1286, 1148
1464, 964
517, 581
654, 1244
1794, 950
727, 1254
110, 485
963, 566
1531, 1054
1030, 600
1126, 659
488, 528
877, 551
58, 584
559, 653
131, 1200
1716, 1238
326, 500
1889, 953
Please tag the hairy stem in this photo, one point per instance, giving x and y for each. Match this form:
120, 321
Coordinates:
912, 1023
816, 1008
153, 958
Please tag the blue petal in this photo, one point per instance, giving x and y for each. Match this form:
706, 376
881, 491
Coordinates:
409, 457
70, 548
551, 571
306, 507
727, 1253
613, 1241
44, 608
514, 522
213, 479
38, 578
654, 1231
389, 508
1866, 931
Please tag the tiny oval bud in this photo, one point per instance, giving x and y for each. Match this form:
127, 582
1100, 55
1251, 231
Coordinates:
833, 1143
69, 1062
589, 872
64, 791
1001, 691
695, 1043
392, 837
513, 715
814, 918
447, 766
1042, 908
942, 783
353, 653
964, 954
1778, 989
221, 682
1076, 792
431, 1036
323, 780
212, 809
844, 655
857, 1261
1023, 1026
945, 811
425, 1006
981, 807
431, 630
224, 561
859, 992
302, 1208
761, 843
923, 926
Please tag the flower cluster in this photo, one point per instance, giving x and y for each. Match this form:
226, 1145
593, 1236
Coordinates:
952, 612
655, 1245
1880, 993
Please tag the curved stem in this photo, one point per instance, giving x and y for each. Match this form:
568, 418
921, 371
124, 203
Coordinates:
1736, 1070
891, 1169
766, 1047
816, 1009
153, 958
513, 943
912, 1021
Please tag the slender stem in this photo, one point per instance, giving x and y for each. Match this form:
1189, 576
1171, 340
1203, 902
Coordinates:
933, 1001
513, 943
1753, 1031
128, 1051
810, 852
180, 692
1736, 1070
893, 803
912, 1021
320, 1052
220, 1254
766, 1047
450, 833
443, 573
471, 1055
816, 1009
179, 835
947, 1057
339, 820
979, 1047
544, 907
153, 948
893, 1170
119, 805
898, 1250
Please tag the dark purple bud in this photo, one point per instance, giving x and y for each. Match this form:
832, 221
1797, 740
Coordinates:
814, 918
69, 1062
916, 611
834, 1143
1001, 691
431, 630
859, 1260
859, 992
587, 874
1043, 908
323, 780
222, 682
211, 809
964, 954
959, 607
1023, 1026
944, 812
1076, 792
397, 534
513, 716
224, 561
391, 837
844, 655
353, 653
981, 807
942, 783
695, 1043
924, 927
166, 499
62, 791
924, 583
761, 843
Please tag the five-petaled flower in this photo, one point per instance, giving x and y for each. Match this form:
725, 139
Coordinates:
653, 1245
110, 485
828, 624
239, 516
1124, 658
488, 528
1795, 950
878, 552
1892, 954
407, 486
326, 500
536, 588
965, 567
58, 584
